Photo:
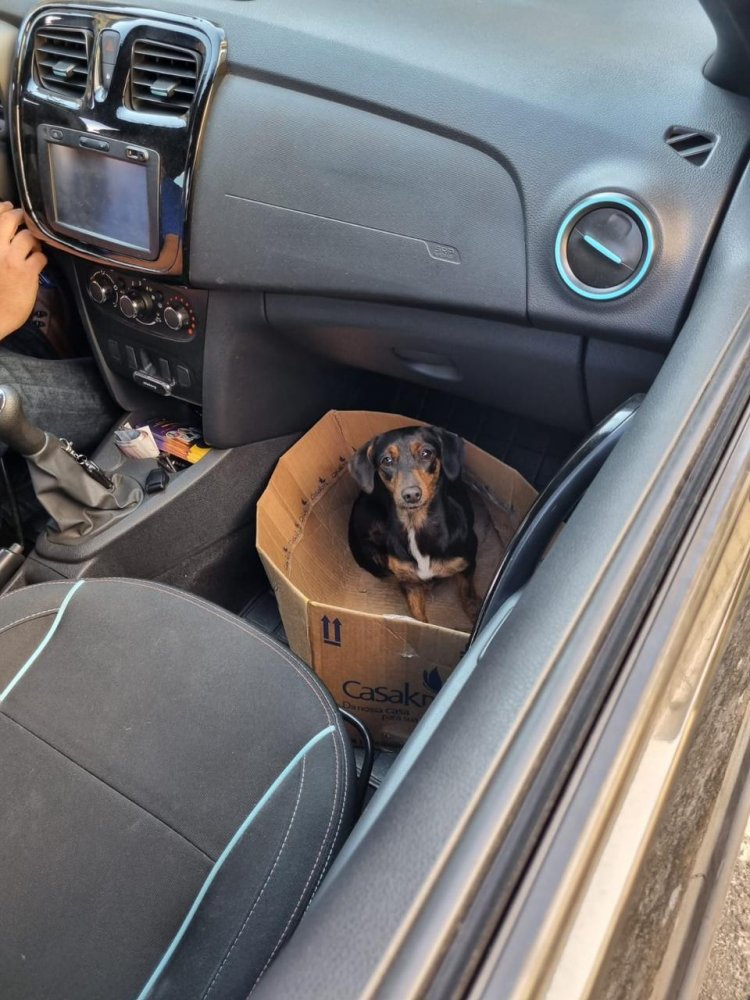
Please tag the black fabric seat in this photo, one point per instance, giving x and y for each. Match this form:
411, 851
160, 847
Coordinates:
174, 786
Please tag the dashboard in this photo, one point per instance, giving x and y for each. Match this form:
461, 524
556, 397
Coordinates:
407, 193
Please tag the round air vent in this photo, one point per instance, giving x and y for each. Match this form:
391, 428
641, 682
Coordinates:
604, 246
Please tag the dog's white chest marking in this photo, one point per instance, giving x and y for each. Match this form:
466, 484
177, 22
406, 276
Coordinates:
424, 568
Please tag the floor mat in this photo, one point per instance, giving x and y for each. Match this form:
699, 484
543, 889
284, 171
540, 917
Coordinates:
262, 611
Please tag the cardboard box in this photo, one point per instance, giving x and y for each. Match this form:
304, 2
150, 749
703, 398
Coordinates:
353, 629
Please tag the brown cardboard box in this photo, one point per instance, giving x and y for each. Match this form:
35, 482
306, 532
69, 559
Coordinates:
350, 627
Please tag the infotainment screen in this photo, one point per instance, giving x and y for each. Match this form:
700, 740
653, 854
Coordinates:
101, 191
100, 196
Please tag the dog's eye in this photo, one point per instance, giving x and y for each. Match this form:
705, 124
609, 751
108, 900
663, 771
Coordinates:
386, 460
426, 453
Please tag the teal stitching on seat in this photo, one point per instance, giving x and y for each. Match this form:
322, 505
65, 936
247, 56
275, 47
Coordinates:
265, 798
40, 648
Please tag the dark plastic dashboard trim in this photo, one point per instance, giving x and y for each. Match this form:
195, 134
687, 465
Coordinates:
214, 40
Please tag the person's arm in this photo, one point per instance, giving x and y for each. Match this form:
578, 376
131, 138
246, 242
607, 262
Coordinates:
21, 263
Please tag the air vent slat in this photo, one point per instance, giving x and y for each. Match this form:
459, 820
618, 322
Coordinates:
145, 86
61, 34
50, 65
149, 71
176, 107
679, 137
693, 146
163, 57
160, 50
163, 77
62, 60
146, 92
695, 151
59, 51
156, 87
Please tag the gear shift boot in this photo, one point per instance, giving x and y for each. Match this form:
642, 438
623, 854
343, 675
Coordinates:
79, 505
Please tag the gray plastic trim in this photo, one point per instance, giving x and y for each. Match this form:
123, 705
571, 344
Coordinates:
535, 373
311, 195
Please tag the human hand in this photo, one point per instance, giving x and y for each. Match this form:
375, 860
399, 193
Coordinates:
21, 263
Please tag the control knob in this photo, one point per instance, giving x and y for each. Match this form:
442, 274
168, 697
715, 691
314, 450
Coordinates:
101, 288
137, 304
176, 317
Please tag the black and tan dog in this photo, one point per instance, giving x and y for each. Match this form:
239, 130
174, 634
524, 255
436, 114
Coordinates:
414, 518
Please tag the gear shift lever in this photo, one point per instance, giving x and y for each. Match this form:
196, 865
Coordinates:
15, 428
80, 499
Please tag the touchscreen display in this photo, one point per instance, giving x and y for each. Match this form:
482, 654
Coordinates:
98, 195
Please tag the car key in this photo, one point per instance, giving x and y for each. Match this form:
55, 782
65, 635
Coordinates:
156, 481
97, 474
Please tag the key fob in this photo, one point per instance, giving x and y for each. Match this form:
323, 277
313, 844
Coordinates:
156, 481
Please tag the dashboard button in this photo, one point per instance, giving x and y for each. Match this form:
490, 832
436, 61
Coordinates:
149, 381
89, 142
183, 376
110, 42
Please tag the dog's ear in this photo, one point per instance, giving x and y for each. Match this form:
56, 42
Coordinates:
451, 453
362, 467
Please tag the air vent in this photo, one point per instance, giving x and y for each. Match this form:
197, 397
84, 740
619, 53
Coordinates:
61, 59
163, 77
695, 147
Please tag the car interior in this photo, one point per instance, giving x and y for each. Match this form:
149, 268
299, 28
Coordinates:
523, 222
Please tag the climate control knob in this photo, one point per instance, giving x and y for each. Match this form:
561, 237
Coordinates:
137, 304
101, 288
176, 317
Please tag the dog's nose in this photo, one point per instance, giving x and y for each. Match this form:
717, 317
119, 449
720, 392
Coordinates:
411, 494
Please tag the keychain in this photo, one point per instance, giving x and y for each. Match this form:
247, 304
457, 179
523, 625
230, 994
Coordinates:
88, 465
